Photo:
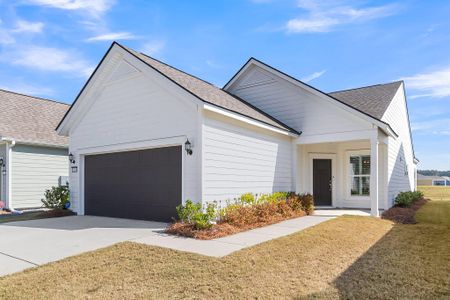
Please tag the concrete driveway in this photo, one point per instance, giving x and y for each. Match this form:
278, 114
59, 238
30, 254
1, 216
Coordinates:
31, 243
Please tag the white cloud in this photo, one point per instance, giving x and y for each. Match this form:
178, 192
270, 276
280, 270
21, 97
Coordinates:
153, 47
442, 132
432, 125
52, 60
112, 36
93, 7
28, 89
313, 76
7, 35
213, 64
326, 16
431, 84
25, 26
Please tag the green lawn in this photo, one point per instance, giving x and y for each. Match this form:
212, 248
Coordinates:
438, 210
348, 257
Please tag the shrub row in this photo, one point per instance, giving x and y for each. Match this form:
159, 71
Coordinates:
247, 210
406, 199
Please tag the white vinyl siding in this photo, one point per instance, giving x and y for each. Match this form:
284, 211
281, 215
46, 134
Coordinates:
136, 108
400, 150
34, 170
293, 105
240, 158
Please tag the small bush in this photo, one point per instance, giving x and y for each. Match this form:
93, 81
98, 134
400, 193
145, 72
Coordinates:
56, 197
406, 199
274, 197
307, 203
192, 213
247, 198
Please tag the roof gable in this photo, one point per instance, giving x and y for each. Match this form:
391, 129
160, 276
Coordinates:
202, 90
32, 120
209, 93
356, 111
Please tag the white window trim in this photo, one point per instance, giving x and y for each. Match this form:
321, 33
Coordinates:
347, 173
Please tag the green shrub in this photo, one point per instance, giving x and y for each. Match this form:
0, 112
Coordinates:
274, 197
247, 198
187, 212
406, 199
56, 197
192, 213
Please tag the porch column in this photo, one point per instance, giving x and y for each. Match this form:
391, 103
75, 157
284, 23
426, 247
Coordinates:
374, 203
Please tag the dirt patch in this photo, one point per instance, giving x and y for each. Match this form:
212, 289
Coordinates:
404, 215
224, 229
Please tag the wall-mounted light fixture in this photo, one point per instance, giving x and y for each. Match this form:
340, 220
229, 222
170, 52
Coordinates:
3, 165
71, 158
188, 147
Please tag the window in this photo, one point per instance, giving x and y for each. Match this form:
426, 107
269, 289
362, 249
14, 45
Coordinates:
360, 175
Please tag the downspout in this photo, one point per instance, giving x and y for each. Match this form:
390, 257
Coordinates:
10, 143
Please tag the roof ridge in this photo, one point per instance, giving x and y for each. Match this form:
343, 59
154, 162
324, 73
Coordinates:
365, 87
35, 97
133, 52
175, 68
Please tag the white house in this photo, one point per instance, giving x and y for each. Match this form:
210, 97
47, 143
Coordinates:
33, 158
146, 136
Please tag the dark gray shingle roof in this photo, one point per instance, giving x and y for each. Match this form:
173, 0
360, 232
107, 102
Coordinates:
209, 93
373, 100
30, 119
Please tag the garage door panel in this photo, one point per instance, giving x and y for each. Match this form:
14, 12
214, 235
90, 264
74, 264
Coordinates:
144, 184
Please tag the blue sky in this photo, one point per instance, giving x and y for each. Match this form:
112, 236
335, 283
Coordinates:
48, 48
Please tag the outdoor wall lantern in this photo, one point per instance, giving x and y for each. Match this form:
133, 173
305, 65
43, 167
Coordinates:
2, 165
71, 158
188, 147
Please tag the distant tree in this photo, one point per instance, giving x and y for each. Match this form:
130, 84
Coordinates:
434, 173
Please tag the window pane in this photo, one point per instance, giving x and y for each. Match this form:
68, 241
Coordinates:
365, 165
355, 165
365, 186
356, 183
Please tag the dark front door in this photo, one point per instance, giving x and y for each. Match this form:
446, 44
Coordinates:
144, 184
322, 181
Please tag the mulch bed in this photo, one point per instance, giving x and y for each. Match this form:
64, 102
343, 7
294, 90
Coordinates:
34, 215
404, 215
223, 229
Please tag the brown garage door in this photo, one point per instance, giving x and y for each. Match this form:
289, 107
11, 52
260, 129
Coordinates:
144, 184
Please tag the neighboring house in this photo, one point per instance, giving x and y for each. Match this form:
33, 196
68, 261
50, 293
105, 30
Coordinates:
146, 136
33, 155
423, 180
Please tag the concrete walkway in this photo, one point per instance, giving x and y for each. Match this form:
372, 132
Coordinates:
32, 243
229, 244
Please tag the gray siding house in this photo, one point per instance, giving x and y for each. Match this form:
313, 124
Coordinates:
33, 157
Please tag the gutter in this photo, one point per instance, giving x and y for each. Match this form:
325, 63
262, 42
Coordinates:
247, 120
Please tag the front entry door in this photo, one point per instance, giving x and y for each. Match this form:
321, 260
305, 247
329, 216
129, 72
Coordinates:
322, 182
